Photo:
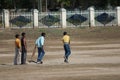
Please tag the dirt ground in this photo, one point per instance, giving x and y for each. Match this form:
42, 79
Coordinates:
95, 55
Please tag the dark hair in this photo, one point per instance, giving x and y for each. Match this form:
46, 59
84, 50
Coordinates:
43, 34
17, 35
23, 33
64, 33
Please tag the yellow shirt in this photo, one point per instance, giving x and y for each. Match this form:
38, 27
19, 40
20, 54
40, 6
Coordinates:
66, 39
17, 43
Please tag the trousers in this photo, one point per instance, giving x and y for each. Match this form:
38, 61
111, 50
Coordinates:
67, 50
40, 54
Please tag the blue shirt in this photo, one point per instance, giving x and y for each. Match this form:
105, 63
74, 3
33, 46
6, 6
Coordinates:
40, 41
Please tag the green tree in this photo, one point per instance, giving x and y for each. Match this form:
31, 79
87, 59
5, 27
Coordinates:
53, 4
64, 3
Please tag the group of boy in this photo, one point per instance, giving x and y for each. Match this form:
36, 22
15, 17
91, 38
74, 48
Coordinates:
21, 46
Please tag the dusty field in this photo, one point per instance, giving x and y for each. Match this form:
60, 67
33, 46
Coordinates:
95, 56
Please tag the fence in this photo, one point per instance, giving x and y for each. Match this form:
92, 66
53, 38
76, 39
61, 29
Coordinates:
77, 18
21, 19
62, 18
49, 19
105, 18
1, 21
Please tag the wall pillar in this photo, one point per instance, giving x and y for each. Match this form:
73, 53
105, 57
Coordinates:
6, 18
118, 16
35, 18
91, 17
63, 18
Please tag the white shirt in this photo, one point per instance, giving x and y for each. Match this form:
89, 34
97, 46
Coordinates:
40, 41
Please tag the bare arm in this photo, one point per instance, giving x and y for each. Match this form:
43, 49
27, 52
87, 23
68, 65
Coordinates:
24, 40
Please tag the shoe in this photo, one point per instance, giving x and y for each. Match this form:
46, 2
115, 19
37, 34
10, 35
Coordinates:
39, 62
66, 61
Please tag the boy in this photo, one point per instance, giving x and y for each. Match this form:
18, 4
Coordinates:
66, 42
17, 49
23, 48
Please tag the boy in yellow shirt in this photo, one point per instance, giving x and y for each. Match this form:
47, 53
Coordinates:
17, 49
66, 42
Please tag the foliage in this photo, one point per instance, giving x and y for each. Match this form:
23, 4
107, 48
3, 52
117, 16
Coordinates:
69, 4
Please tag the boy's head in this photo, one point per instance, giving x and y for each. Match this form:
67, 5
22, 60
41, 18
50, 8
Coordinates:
17, 36
23, 34
43, 34
64, 33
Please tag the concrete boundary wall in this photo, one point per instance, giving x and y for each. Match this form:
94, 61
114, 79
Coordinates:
91, 18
